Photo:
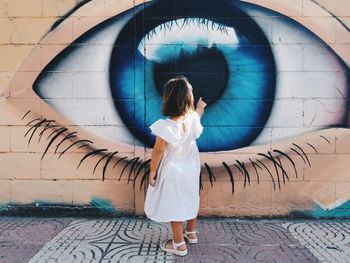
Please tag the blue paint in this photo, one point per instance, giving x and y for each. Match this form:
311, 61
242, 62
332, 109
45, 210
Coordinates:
104, 205
236, 114
342, 211
3, 207
236, 79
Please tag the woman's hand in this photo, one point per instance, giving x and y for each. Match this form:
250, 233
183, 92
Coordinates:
151, 179
200, 106
157, 154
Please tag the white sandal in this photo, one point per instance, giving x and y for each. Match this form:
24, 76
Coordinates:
190, 240
174, 250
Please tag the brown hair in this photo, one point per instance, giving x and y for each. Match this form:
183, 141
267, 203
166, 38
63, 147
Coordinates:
177, 97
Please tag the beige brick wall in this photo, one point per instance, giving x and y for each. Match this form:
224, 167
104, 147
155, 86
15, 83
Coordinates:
26, 47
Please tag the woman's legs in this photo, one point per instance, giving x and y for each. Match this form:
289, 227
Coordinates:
191, 226
177, 229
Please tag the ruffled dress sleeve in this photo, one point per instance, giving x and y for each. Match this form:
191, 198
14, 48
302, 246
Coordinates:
162, 129
197, 126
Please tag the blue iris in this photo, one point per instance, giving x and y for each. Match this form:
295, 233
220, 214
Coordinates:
236, 79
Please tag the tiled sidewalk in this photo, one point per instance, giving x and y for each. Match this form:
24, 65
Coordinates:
127, 239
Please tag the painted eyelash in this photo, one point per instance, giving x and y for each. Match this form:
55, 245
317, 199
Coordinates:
273, 180
68, 136
272, 159
256, 171
246, 174
210, 174
145, 164
325, 139
104, 156
59, 132
312, 147
76, 142
106, 164
301, 156
134, 167
47, 126
25, 115
186, 21
307, 159
35, 127
284, 173
137, 165
276, 161
290, 159
230, 174
126, 165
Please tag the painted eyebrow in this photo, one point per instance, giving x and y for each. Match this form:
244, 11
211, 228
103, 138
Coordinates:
66, 15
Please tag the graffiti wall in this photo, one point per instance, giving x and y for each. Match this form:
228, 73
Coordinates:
81, 81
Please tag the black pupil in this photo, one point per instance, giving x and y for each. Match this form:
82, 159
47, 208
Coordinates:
206, 69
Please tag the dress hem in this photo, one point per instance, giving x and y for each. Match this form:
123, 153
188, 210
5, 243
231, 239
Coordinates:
173, 219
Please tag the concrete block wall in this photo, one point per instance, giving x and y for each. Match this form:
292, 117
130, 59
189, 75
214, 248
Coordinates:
286, 81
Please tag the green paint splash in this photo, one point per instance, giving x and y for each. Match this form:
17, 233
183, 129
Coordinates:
103, 205
3, 207
342, 211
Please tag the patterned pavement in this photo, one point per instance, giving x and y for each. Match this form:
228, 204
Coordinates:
329, 242
132, 239
21, 238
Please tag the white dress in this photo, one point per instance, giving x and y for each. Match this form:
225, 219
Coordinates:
175, 196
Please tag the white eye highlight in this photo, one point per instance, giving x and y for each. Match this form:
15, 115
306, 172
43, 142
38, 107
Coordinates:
192, 31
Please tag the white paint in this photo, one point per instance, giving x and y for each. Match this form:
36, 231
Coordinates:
190, 32
82, 79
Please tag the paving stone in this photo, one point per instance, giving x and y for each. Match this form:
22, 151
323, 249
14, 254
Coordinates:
132, 239
21, 238
137, 240
327, 241
107, 240
246, 241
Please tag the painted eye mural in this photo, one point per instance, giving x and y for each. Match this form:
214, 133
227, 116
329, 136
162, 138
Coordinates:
229, 60
275, 90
